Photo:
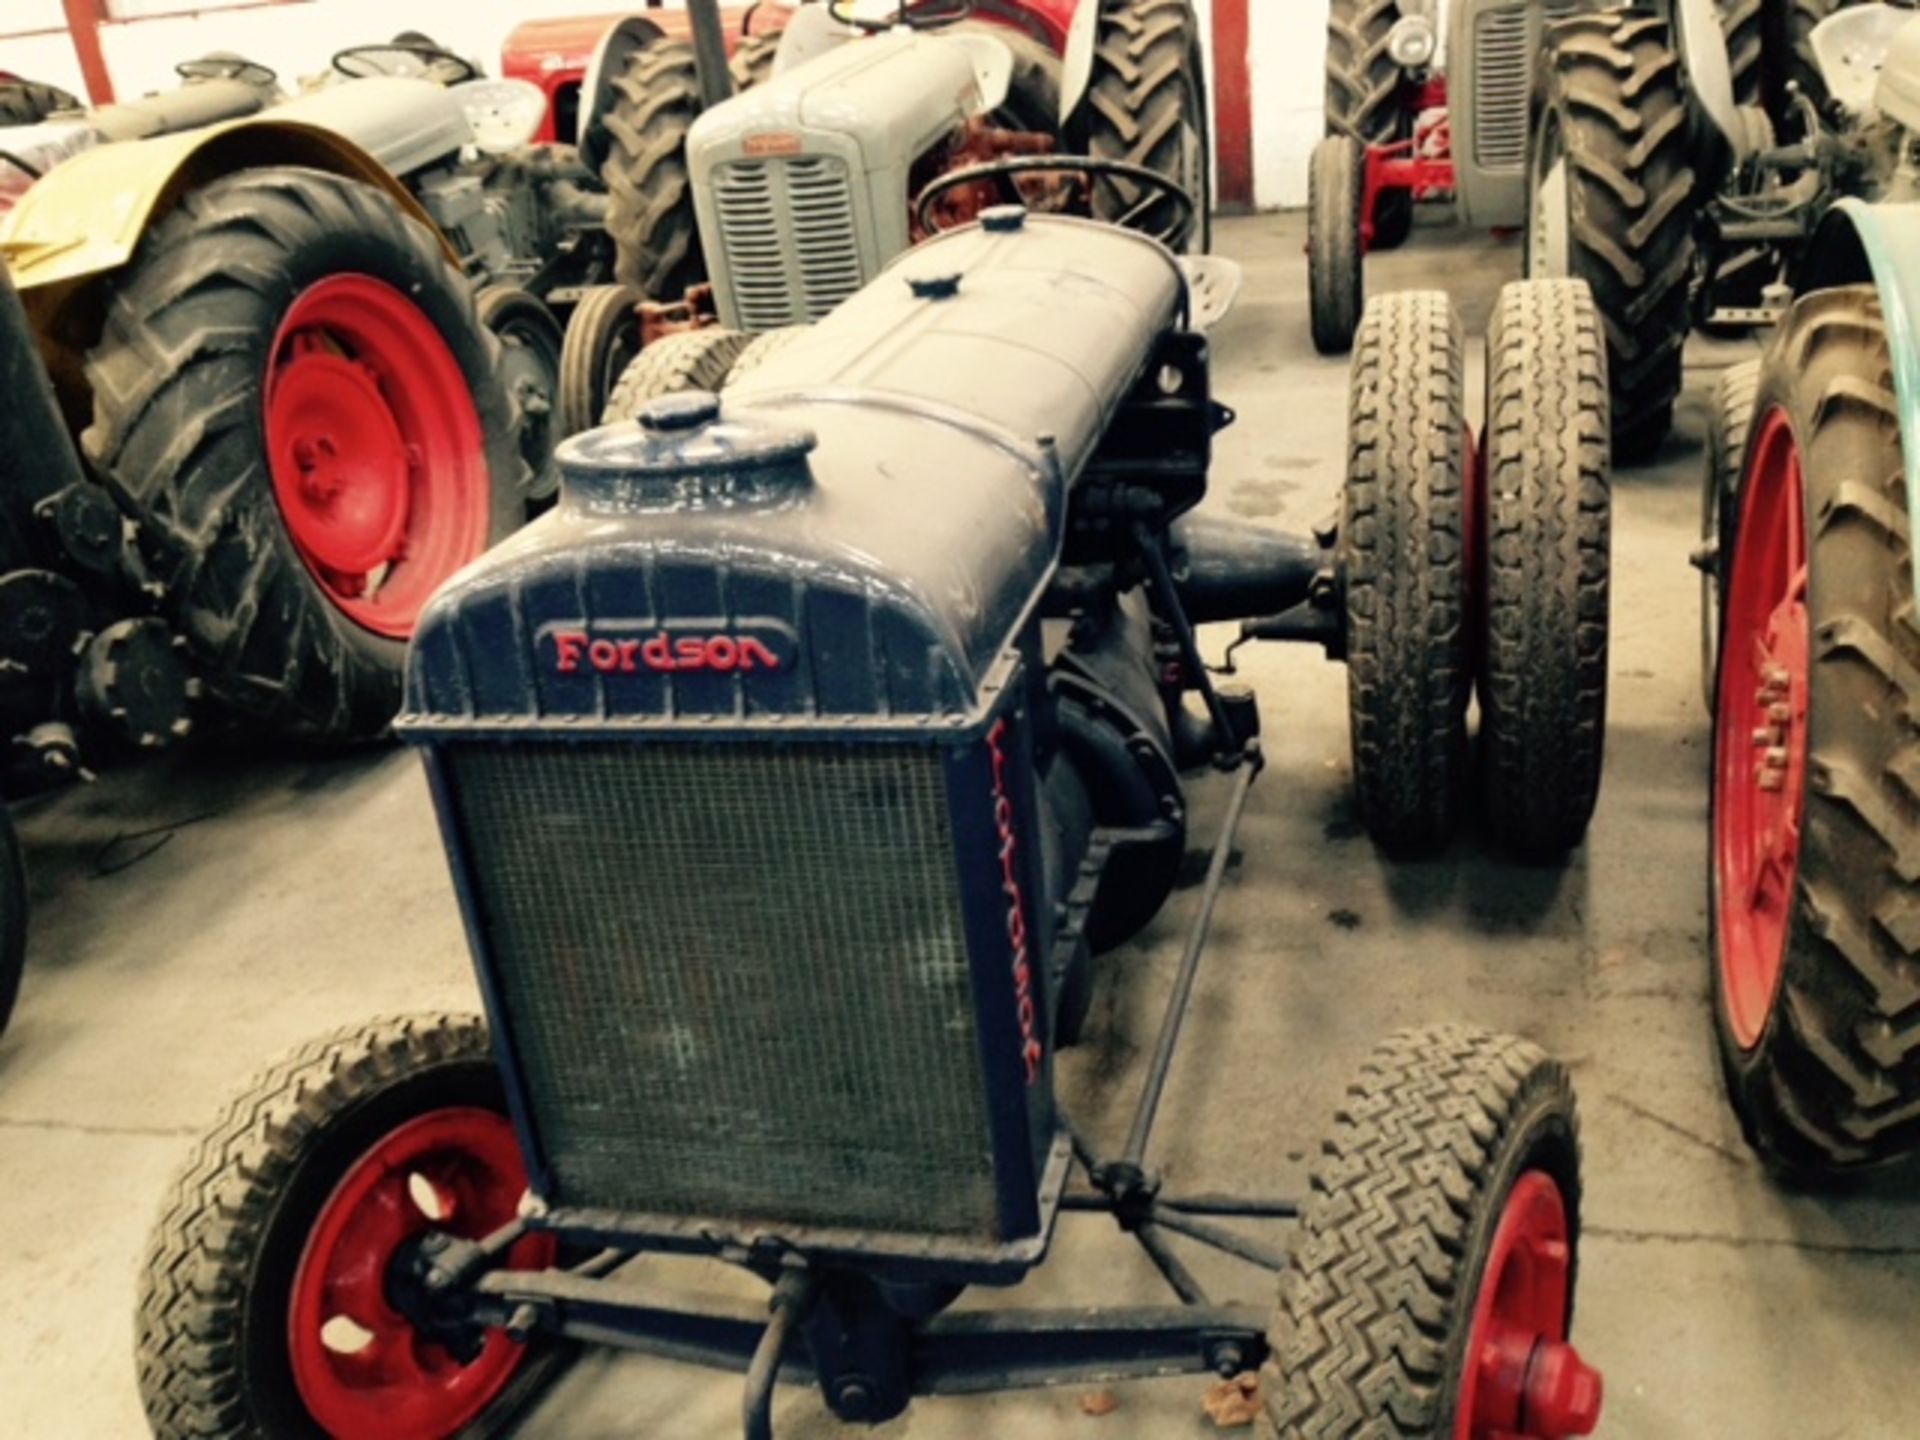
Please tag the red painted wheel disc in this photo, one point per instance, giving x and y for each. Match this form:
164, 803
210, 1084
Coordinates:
378, 458
1760, 721
1522, 1380
360, 1366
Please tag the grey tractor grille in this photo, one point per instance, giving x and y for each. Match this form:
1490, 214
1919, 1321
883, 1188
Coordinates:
787, 230
736, 978
1503, 60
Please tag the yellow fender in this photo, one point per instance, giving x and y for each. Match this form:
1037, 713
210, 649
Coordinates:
85, 218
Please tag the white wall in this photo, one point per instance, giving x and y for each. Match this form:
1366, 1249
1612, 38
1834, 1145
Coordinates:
1288, 61
296, 39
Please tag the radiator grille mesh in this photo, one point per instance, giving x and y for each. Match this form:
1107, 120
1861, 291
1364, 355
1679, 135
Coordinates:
736, 977
1505, 47
787, 230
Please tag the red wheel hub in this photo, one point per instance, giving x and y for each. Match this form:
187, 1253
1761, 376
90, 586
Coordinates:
1760, 725
379, 461
361, 1367
1523, 1380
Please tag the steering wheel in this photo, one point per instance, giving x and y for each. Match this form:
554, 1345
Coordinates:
1004, 174
228, 67
912, 14
406, 59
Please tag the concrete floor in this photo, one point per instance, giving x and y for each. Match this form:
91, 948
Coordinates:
300, 893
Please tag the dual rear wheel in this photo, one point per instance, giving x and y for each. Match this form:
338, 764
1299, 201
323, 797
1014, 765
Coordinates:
1478, 567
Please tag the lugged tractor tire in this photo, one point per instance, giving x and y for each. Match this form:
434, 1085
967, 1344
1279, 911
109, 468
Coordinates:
1744, 24
1545, 547
218, 1328
761, 348
1729, 423
1336, 272
602, 339
1815, 875
1452, 1150
691, 360
650, 213
1370, 98
26, 102
14, 905
1615, 107
1403, 571
1147, 106
283, 337
1790, 56
751, 63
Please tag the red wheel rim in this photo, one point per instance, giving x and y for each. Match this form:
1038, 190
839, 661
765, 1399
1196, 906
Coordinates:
360, 1366
1522, 1380
1760, 739
379, 461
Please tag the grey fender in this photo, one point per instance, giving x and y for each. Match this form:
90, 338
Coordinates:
1076, 65
1709, 71
610, 56
1859, 243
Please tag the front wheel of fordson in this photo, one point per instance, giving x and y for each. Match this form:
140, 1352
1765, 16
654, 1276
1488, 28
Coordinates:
294, 401
273, 1304
1815, 873
1430, 1294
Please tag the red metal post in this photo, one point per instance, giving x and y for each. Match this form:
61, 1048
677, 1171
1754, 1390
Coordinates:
84, 18
1232, 105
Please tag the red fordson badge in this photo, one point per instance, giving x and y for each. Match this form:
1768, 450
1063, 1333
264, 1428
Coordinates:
578, 651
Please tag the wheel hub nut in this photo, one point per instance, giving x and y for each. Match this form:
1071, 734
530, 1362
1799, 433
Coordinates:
1563, 1393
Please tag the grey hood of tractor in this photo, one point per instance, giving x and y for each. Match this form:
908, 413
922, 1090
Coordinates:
406, 125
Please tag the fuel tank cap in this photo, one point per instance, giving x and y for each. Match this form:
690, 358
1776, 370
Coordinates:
686, 451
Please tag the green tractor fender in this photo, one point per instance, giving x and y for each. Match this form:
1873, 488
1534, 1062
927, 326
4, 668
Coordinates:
1859, 242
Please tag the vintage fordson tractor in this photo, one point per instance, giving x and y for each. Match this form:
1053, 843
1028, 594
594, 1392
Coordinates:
791, 772
1815, 888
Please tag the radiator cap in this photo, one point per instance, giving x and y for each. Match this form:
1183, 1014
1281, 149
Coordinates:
684, 452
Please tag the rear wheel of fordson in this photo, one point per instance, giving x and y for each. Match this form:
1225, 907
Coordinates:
1430, 1290
1369, 98
1816, 778
1336, 275
295, 402
1611, 201
1403, 565
752, 61
650, 214
603, 336
276, 1298
1729, 423
25, 102
13, 917
1791, 55
530, 344
1147, 106
690, 360
1545, 553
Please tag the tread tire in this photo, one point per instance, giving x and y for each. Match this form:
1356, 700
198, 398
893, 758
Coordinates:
1370, 98
1402, 562
650, 214
14, 905
1615, 93
1833, 1082
1336, 270
1546, 544
1744, 24
1376, 1306
1790, 56
752, 61
602, 339
213, 1293
27, 102
690, 360
1147, 85
178, 438
1729, 424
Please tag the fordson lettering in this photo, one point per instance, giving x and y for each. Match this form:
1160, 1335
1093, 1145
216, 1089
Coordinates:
576, 650
1030, 1049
